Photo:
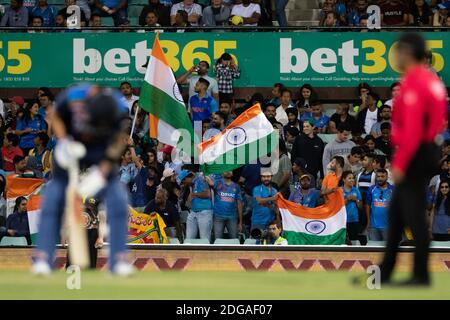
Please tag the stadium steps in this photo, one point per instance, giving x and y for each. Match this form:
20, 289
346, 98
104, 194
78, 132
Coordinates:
227, 241
196, 241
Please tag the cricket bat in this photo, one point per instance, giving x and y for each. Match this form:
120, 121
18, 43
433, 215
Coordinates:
75, 221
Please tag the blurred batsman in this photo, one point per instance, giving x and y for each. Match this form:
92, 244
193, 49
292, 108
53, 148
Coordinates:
88, 123
419, 115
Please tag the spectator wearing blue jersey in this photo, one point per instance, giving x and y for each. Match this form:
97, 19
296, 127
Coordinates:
46, 12
116, 9
202, 105
200, 218
264, 196
46, 102
143, 187
227, 206
128, 167
353, 203
318, 118
305, 195
377, 202
29, 126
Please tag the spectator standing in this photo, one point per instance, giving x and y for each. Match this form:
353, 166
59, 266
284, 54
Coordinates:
358, 10
161, 11
276, 94
46, 12
46, 104
378, 199
440, 217
394, 13
116, 9
216, 14
331, 181
420, 14
16, 15
316, 115
128, 97
226, 71
309, 147
353, 204
202, 105
17, 223
395, 89
168, 212
143, 187
307, 97
200, 218
128, 169
264, 209
281, 177
293, 122
341, 116
29, 127
227, 207
193, 10
191, 79
280, 6
250, 12
366, 178
305, 195
281, 114
341, 146
369, 116
10, 150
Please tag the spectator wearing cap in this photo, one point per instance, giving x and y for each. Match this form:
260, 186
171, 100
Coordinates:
31, 124
160, 10
9, 151
341, 146
305, 195
200, 218
202, 105
168, 161
169, 182
441, 15
319, 119
264, 195
285, 99
298, 170
193, 10
46, 12
11, 113
309, 147
16, 15
116, 9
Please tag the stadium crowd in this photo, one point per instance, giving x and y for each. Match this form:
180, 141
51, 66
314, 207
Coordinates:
215, 13
319, 151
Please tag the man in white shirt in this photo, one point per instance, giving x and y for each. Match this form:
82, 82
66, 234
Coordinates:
193, 10
285, 100
128, 97
395, 89
202, 72
250, 12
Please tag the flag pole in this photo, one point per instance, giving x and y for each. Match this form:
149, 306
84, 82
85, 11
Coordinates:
134, 121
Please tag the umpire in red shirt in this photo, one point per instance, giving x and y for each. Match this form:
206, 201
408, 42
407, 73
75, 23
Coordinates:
419, 113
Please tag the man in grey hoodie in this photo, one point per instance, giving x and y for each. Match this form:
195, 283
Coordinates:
216, 14
341, 146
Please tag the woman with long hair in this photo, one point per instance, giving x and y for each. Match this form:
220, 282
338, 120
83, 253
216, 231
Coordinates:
307, 96
29, 126
353, 204
17, 223
440, 215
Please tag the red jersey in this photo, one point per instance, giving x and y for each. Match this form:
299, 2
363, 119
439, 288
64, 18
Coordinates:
419, 114
8, 157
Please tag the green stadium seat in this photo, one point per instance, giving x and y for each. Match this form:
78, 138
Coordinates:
174, 241
55, 2
196, 241
442, 244
137, 2
134, 11
372, 243
107, 22
13, 241
227, 241
134, 21
250, 241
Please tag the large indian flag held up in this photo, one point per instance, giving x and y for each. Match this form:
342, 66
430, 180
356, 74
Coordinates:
324, 225
249, 137
161, 98
32, 190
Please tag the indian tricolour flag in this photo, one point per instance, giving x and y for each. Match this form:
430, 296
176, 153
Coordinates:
161, 98
32, 190
324, 225
249, 137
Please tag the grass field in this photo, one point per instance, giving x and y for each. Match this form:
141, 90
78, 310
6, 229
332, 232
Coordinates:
210, 285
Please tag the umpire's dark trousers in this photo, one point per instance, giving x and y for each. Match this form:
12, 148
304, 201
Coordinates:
408, 209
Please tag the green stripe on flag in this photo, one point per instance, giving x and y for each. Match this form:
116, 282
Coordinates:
337, 238
244, 154
163, 106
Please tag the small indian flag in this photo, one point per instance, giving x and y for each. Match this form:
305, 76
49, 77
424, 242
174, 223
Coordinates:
32, 190
249, 137
324, 225
161, 98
